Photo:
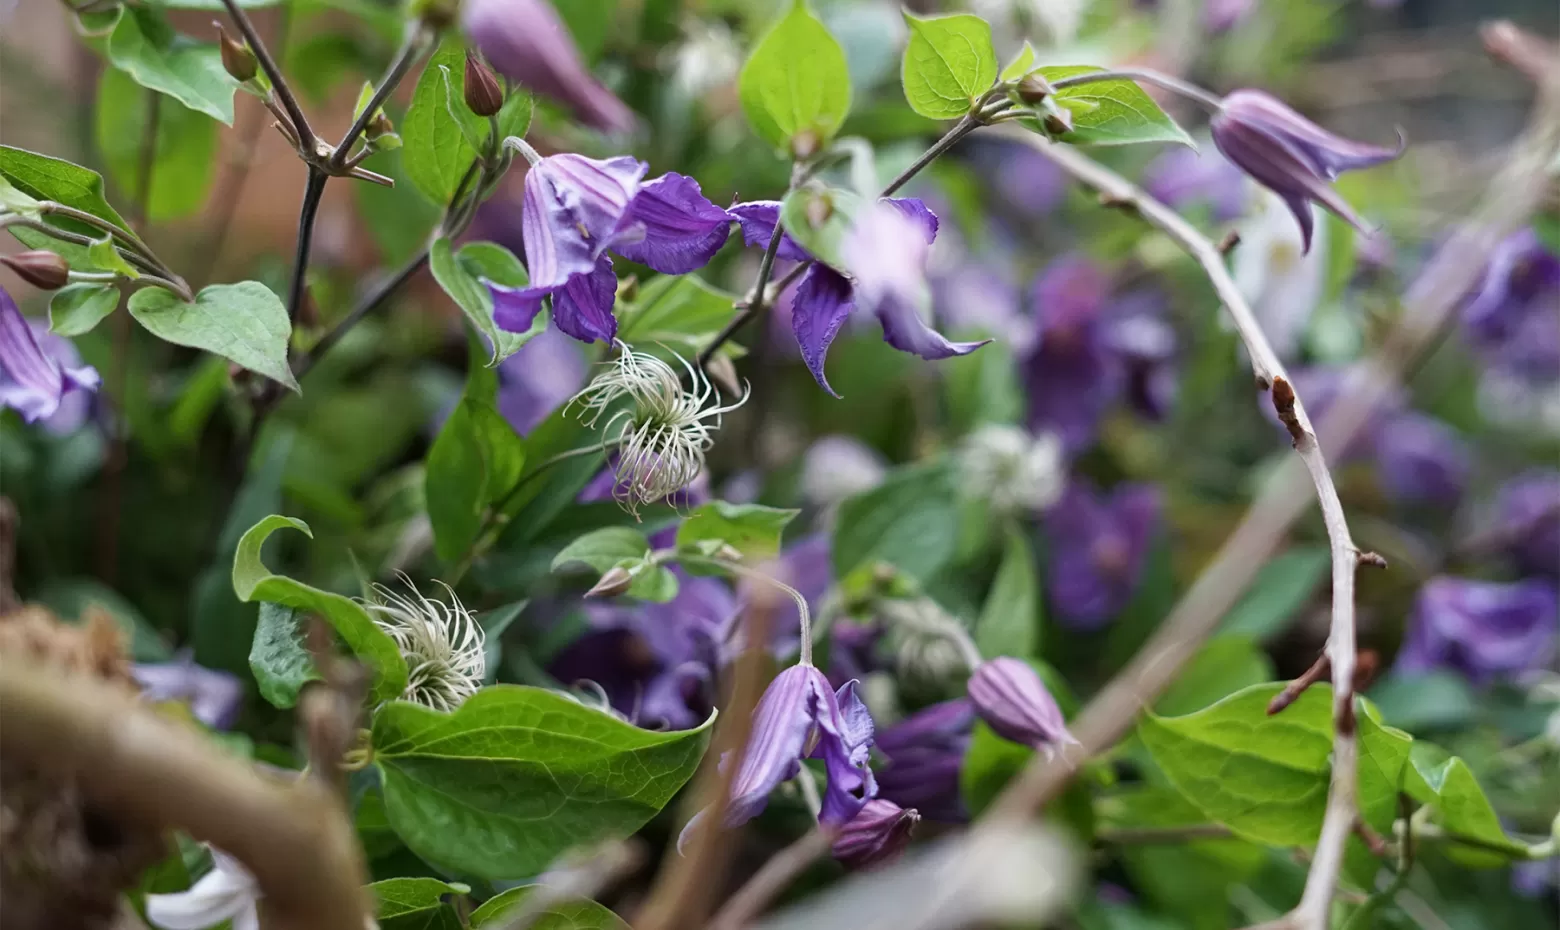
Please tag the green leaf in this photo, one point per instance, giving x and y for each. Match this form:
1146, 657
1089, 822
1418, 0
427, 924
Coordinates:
680, 311
1461, 807
461, 276
795, 82
818, 219
1009, 622
102, 254
983, 387
145, 47
518, 775
909, 521
416, 904
281, 664
1224, 665
1282, 587
1112, 112
566, 915
185, 147
213, 4
604, 548
948, 64
244, 323
1022, 63
435, 131
76, 308
45, 178
1264, 777
14, 201
1436, 699
751, 529
252, 581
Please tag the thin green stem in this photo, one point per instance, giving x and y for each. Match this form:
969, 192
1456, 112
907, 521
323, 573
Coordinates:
81, 216
753, 574
966, 125
1186, 89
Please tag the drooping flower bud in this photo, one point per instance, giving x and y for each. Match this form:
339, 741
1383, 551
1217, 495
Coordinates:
379, 127
483, 95
41, 269
237, 59
1009, 695
875, 836
614, 581
1292, 156
1033, 88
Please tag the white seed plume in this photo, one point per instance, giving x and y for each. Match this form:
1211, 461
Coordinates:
663, 431
443, 644
1012, 469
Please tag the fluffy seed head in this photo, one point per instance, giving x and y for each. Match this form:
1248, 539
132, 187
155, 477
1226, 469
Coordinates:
660, 429
1013, 470
443, 644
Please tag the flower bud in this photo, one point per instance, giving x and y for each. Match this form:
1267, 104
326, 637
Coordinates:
379, 126
875, 836
483, 95
1034, 88
41, 269
614, 581
1009, 695
723, 372
1058, 121
237, 59
804, 144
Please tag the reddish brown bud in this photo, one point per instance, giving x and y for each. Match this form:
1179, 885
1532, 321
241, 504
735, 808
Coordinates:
1034, 88
43, 270
237, 59
380, 125
1058, 121
483, 95
615, 581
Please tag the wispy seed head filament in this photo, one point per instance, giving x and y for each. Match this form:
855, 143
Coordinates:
443, 644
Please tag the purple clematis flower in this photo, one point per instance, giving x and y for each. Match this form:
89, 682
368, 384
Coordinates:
884, 255
1183, 176
982, 297
578, 208
525, 41
1527, 521
924, 754
1099, 544
214, 697
539, 378
1292, 156
1421, 460
876, 836
1511, 319
40, 373
1072, 375
1010, 697
1485, 630
1022, 180
797, 709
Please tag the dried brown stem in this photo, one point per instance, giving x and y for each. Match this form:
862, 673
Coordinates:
773, 877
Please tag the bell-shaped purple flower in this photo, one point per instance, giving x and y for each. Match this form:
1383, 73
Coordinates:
1292, 156
214, 697
1021, 180
575, 210
797, 708
1144, 345
1527, 521
924, 754
876, 836
1010, 697
1181, 177
1099, 543
1485, 630
37, 381
1420, 460
1511, 318
525, 41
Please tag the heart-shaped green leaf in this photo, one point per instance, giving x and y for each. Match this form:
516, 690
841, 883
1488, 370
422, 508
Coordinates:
244, 323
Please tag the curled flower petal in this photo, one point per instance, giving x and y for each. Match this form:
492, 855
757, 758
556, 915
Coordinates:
845, 746
583, 306
515, 308
678, 229
33, 381
785, 715
876, 835
758, 219
822, 303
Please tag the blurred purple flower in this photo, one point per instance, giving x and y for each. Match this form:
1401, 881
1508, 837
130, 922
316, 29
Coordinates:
1019, 178
1485, 630
1292, 156
1181, 176
41, 376
924, 754
575, 210
213, 697
758, 219
1072, 376
981, 297
1099, 544
1224, 15
1420, 460
525, 41
1145, 344
1010, 697
875, 836
1527, 515
1511, 319
539, 378
799, 710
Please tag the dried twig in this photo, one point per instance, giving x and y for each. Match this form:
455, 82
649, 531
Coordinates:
776, 874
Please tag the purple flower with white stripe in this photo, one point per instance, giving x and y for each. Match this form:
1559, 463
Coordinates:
36, 381
884, 273
1099, 545
876, 836
1292, 156
1486, 630
575, 210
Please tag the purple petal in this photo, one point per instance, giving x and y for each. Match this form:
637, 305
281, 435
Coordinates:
1486, 630
844, 743
572, 210
758, 219
214, 697
583, 306
906, 330
680, 230
527, 42
876, 835
925, 752
1009, 695
823, 302
1099, 544
539, 378
782, 721
515, 308
31, 380
1422, 460
1328, 153
917, 212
